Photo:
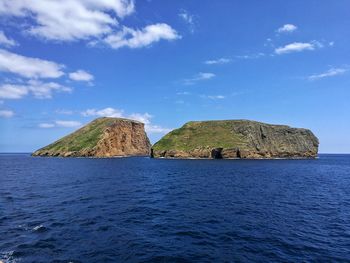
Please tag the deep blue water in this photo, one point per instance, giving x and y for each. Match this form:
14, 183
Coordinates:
147, 210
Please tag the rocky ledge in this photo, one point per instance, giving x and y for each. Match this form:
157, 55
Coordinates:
236, 139
103, 137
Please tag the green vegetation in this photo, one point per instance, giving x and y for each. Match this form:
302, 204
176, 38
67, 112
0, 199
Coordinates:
84, 138
199, 134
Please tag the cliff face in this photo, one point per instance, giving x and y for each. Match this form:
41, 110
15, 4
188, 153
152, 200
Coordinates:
236, 139
103, 137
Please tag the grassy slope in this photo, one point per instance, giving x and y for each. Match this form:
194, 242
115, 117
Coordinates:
202, 134
84, 138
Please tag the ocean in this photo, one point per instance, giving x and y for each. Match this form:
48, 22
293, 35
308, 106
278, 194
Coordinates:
157, 210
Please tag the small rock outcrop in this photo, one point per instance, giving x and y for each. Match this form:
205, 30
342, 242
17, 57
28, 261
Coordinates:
103, 137
232, 139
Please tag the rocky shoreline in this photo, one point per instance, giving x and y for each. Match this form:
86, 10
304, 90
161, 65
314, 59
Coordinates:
232, 154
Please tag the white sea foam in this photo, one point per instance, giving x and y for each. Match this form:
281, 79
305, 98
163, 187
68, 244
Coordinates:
39, 228
7, 257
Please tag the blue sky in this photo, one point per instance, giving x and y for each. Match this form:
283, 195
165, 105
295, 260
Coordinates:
64, 63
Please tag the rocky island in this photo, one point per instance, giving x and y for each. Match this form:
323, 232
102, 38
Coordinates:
229, 139
103, 137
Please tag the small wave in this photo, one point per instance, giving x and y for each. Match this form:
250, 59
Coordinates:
40, 228
8, 257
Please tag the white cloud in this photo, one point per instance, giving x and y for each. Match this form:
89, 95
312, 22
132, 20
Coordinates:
132, 38
68, 124
40, 90
68, 20
141, 117
203, 76
251, 56
9, 91
218, 61
317, 44
34, 69
117, 113
46, 125
186, 16
107, 112
188, 19
329, 73
213, 97
81, 75
60, 124
6, 113
151, 129
199, 77
64, 112
29, 67
287, 28
183, 93
90, 20
216, 97
298, 47
121, 7
45, 90
146, 119
5, 41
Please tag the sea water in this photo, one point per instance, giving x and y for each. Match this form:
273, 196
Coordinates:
156, 210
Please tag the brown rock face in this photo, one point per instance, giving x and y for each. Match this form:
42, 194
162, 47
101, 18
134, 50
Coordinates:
103, 137
123, 138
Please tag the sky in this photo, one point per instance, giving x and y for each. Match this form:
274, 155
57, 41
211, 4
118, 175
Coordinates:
64, 63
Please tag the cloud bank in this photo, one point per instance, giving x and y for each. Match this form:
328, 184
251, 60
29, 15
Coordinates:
91, 20
68, 20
